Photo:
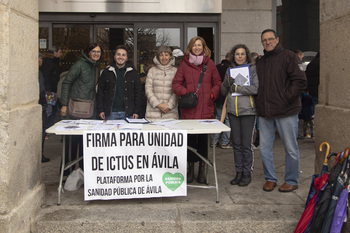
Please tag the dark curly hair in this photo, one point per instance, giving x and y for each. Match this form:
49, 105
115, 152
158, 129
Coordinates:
240, 46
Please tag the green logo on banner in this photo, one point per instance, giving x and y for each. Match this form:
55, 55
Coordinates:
173, 181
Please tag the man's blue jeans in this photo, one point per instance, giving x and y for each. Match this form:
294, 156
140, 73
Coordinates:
116, 116
225, 136
287, 128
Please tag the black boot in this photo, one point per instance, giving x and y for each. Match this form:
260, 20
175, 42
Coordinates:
190, 173
237, 179
201, 173
245, 180
44, 159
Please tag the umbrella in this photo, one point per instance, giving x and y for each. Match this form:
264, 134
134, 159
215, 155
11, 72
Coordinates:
317, 186
340, 212
318, 183
338, 188
322, 206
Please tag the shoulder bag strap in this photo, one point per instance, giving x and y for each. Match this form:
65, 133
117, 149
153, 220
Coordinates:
201, 78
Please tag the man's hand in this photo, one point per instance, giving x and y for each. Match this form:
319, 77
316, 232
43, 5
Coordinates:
102, 115
64, 111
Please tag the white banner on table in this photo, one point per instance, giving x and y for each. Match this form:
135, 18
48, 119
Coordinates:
134, 164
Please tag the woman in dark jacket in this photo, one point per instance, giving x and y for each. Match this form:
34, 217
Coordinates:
241, 113
186, 79
80, 82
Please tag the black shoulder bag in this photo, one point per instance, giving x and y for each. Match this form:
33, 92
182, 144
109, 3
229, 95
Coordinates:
190, 100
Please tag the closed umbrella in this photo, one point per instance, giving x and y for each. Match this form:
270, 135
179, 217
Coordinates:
340, 212
322, 206
338, 188
318, 184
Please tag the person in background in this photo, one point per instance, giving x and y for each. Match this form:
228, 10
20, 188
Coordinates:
301, 56
307, 115
51, 70
281, 83
242, 114
42, 102
119, 89
313, 77
185, 81
161, 101
80, 83
219, 102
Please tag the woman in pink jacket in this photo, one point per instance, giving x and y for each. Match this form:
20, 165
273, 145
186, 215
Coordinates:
186, 79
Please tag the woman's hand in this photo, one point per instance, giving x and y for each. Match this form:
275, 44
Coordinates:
163, 107
64, 111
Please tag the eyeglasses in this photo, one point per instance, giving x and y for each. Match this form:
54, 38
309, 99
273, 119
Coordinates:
94, 51
268, 40
242, 54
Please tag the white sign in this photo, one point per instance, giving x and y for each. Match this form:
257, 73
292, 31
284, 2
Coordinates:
134, 164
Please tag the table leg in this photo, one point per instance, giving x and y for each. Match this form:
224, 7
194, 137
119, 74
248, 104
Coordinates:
60, 188
214, 168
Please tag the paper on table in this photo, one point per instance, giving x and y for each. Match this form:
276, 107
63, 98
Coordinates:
141, 120
131, 126
72, 127
104, 127
166, 122
209, 121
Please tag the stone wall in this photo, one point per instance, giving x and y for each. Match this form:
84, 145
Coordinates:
333, 111
20, 116
243, 21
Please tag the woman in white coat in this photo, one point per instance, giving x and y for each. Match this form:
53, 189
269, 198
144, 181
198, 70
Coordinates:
161, 101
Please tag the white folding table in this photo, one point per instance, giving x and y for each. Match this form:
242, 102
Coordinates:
192, 127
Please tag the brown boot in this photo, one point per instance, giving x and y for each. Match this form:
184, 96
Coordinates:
201, 173
190, 173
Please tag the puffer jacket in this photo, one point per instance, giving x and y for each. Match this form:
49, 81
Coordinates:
281, 83
186, 80
80, 80
132, 91
159, 90
244, 104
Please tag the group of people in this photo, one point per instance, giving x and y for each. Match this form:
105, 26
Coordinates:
273, 94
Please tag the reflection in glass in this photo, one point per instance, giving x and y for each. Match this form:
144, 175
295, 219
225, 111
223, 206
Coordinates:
72, 40
149, 40
109, 38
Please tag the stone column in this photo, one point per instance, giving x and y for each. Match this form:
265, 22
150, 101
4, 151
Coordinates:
20, 116
332, 114
243, 21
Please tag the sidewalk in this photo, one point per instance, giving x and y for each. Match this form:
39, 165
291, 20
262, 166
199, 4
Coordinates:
241, 209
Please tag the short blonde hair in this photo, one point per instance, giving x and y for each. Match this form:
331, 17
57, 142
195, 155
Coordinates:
206, 50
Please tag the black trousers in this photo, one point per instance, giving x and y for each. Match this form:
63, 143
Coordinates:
199, 142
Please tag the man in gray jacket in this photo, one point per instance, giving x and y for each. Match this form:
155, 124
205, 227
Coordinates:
281, 83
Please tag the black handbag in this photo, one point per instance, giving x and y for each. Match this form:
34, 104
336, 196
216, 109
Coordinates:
190, 100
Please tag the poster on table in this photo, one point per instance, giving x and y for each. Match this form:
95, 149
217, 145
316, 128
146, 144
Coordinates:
134, 164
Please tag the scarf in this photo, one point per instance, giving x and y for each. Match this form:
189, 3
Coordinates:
196, 60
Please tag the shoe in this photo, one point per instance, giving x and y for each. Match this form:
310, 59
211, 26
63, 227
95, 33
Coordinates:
269, 186
237, 179
287, 187
226, 146
201, 173
44, 159
256, 147
308, 136
190, 173
246, 179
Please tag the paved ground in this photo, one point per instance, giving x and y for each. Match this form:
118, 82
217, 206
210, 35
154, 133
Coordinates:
241, 209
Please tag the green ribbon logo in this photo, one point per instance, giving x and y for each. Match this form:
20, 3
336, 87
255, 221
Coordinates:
173, 181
